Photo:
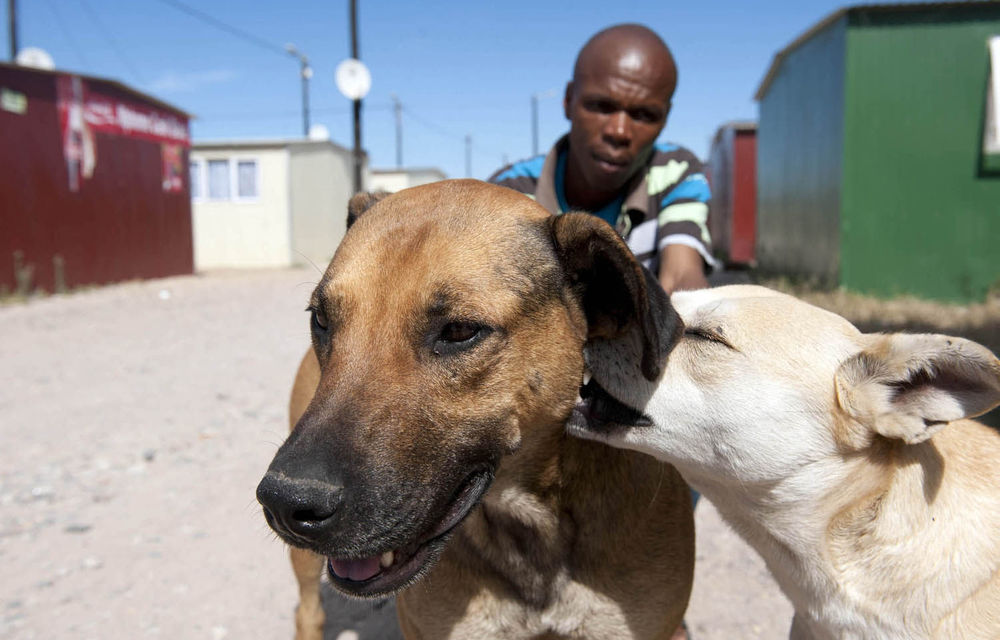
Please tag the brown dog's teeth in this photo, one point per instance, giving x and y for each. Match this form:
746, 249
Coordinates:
586, 377
386, 559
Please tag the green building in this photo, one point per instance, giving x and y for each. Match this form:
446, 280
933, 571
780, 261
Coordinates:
878, 156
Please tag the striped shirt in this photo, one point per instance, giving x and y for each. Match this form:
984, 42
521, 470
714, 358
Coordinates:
665, 203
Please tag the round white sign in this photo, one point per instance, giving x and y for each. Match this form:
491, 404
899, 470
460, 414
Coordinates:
353, 79
35, 58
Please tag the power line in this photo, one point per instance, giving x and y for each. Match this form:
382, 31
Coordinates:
228, 28
67, 33
449, 134
125, 60
250, 115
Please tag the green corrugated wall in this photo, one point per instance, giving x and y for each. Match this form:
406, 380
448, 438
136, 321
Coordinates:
918, 214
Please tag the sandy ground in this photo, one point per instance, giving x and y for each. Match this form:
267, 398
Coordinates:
135, 423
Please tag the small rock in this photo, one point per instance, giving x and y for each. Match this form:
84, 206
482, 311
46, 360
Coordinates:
43, 492
91, 562
77, 527
164, 294
148, 455
220, 632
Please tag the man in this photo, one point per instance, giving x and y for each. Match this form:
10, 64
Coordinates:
654, 195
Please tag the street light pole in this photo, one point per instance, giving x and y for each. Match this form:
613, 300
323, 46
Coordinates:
398, 109
357, 103
534, 125
468, 155
12, 26
306, 73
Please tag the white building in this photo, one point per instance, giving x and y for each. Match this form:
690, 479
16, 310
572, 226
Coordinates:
269, 203
393, 180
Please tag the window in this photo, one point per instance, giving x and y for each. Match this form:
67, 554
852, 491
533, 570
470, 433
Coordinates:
229, 179
218, 179
195, 179
991, 126
246, 179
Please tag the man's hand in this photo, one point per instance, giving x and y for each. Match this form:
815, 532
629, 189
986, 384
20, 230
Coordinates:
681, 267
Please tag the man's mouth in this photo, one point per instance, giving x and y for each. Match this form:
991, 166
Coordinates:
597, 412
611, 164
381, 575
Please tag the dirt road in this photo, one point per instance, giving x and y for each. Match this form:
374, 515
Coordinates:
135, 423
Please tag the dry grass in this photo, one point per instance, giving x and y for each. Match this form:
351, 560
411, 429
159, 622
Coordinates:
979, 322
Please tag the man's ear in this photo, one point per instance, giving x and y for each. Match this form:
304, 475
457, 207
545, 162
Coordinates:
568, 99
909, 386
620, 298
361, 202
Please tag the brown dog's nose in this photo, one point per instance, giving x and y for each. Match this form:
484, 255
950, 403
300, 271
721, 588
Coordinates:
298, 508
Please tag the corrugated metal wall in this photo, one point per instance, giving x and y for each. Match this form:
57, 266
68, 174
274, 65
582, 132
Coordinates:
918, 214
120, 225
732, 172
744, 223
799, 154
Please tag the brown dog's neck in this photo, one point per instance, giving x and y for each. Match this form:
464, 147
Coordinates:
557, 498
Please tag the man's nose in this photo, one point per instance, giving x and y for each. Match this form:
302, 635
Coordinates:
617, 128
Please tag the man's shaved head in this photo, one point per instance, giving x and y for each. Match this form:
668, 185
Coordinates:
617, 104
628, 46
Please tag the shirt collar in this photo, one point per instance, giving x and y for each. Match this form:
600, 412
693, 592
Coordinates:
545, 190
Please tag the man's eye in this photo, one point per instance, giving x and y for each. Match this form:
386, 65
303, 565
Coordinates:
459, 336
600, 106
645, 116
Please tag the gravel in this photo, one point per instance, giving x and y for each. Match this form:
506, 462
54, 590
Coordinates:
136, 421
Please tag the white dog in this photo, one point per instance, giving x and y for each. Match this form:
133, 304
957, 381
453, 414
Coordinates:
845, 459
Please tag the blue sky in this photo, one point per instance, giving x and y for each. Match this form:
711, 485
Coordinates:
459, 68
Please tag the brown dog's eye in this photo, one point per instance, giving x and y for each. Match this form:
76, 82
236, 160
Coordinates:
459, 336
318, 319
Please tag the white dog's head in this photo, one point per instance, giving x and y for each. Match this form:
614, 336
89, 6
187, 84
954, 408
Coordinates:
762, 384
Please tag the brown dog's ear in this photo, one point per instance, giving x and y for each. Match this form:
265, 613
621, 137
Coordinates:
617, 293
361, 202
909, 386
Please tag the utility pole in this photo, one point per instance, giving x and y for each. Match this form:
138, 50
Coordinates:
468, 155
12, 26
534, 125
535, 97
397, 107
357, 103
306, 72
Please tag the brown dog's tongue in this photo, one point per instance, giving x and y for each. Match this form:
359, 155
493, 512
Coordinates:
356, 570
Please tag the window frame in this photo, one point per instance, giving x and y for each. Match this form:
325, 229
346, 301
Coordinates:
196, 165
991, 123
232, 178
235, 169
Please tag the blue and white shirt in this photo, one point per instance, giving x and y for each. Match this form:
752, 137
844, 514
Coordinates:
665, 203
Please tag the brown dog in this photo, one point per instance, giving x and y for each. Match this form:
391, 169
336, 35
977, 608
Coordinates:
447, 356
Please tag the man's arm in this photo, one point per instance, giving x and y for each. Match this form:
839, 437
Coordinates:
681, 267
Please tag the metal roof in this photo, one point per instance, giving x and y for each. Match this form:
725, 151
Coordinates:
900, 7
114, 83
266, 143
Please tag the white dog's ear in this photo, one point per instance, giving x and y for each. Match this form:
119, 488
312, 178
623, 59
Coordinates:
619, 296
361, 202
908, 386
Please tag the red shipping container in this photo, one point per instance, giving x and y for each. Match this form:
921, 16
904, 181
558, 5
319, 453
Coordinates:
733, 175
94, 184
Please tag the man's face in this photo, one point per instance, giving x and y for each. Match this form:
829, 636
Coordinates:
616, 108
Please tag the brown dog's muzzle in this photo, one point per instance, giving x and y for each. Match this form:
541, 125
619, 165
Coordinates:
379, 525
